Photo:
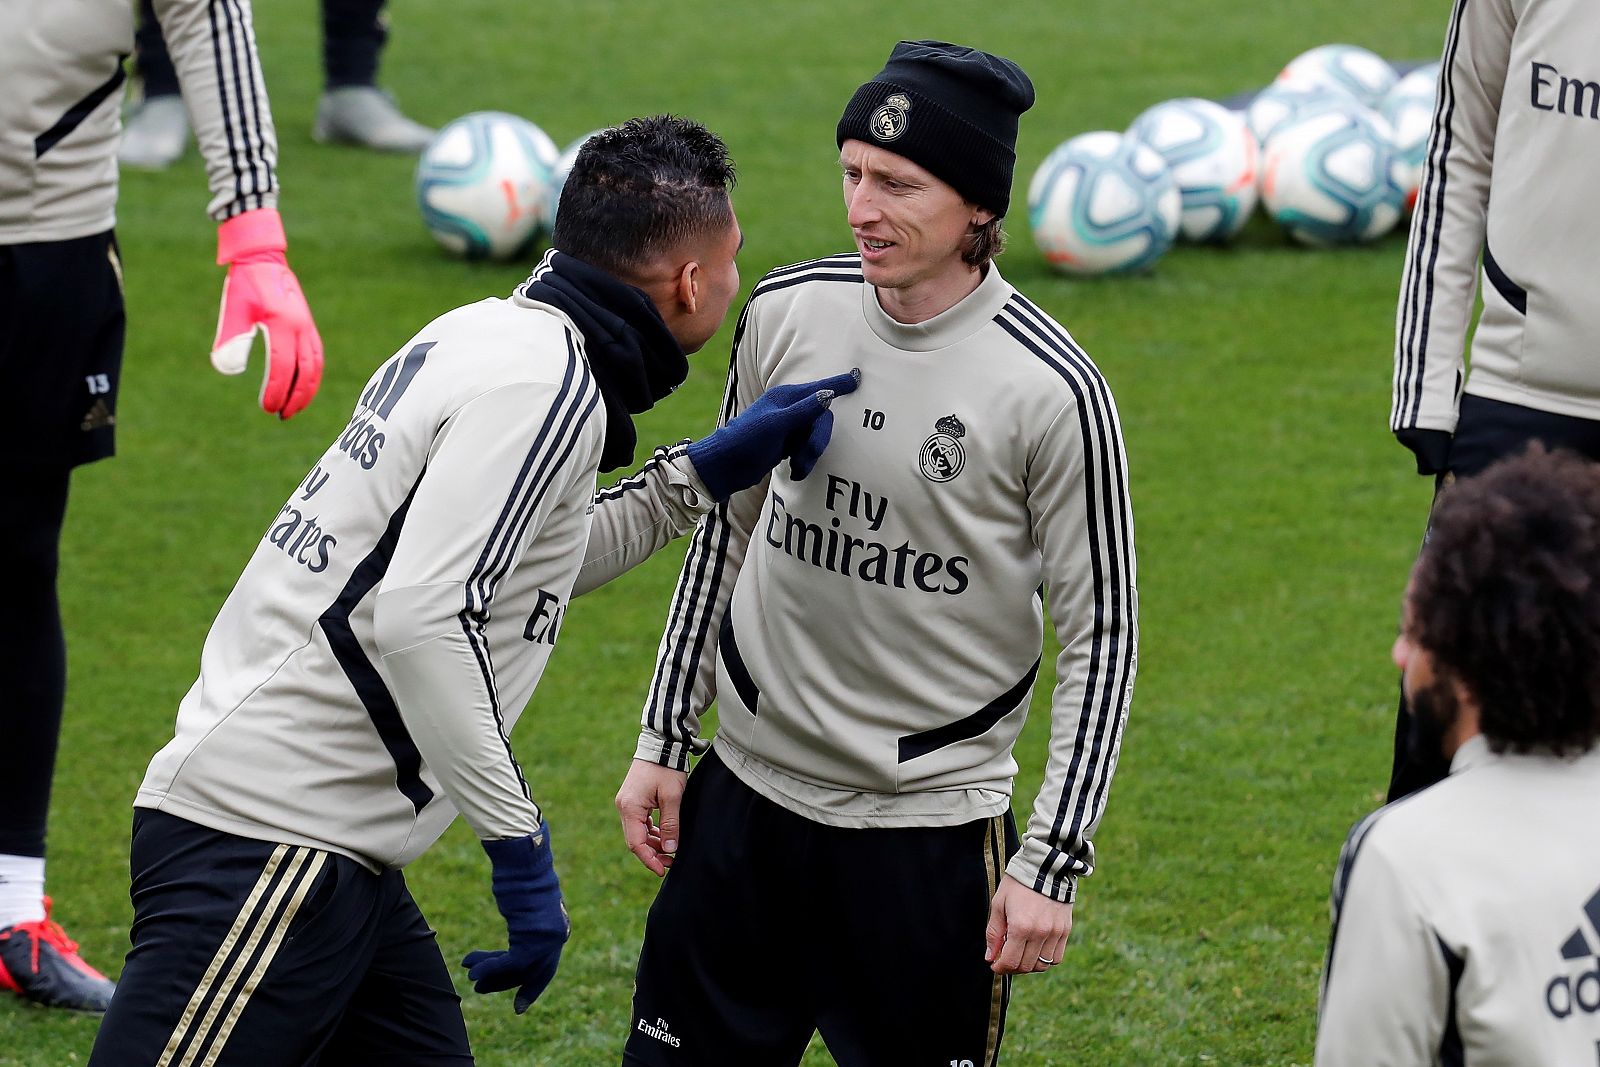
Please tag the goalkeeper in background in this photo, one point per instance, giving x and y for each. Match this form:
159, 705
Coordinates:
61, 335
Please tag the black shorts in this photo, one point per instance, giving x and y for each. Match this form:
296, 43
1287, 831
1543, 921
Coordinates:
770, 927
1490, 430
251, 953
61, 332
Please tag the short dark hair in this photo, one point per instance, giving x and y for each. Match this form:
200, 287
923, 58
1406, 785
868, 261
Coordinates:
1506, 598
642, 188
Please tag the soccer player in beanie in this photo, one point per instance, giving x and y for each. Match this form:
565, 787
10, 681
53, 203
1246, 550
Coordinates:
842, 858
359, 685
1466, 917
61, 336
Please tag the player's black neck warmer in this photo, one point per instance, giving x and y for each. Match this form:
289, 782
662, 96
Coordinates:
633, 356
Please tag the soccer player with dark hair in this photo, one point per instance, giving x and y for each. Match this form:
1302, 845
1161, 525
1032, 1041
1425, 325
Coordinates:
1508, 185
61, 337
358, 686
1466, 918
844, 858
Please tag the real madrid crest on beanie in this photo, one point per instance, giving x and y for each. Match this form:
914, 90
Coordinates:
950, 109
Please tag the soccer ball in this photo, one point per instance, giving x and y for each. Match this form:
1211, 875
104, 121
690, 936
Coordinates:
1409, 111
483, 184
1329, 178
558, 178
1365, 75
1103, 202
1212, 154
1282, 103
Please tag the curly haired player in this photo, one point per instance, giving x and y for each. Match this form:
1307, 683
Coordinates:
1467, 916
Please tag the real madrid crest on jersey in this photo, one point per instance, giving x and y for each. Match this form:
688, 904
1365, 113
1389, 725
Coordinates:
890, 120
942, 455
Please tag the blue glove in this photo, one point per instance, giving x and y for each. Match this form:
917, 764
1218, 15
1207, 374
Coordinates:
786, 420
529, 896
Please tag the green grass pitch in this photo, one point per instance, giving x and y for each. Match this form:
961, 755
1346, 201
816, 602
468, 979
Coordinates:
1276, 517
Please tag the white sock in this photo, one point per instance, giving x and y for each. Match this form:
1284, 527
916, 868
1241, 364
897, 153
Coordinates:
21, 889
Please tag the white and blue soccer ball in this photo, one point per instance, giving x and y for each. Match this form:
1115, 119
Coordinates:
1347, 68
1103, 202
483, 184
1329, 178
1282, 103
558, 180
1213, 157
1408, 109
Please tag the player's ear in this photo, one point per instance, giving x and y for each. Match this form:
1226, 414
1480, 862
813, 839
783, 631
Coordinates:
688, 286
982, 216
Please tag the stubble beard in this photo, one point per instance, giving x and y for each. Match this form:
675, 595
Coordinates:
1434, 711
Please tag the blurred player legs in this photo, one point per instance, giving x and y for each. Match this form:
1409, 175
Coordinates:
353, 110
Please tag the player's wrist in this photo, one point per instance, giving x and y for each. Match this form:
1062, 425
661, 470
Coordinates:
1430, 447
714, 459
524, 880
526, 856
655, 748
252, 237
691, 474
1026, 867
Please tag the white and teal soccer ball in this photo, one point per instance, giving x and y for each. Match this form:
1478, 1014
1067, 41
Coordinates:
1282, 103
1363, 74
483, 184
1329, 178
1103, 202
558, 179
1408, 109
1213, 157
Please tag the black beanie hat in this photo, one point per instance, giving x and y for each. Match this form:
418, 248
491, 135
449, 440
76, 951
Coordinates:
950, 109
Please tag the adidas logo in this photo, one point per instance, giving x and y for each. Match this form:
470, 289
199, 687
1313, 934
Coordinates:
658, 1030
98, 416
1567, 993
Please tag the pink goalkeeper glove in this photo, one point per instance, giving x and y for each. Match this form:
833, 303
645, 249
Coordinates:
262, 293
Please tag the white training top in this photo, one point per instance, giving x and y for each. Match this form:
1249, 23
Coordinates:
887, 612
1510, 175
1466, 921
359, 684
61, 81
